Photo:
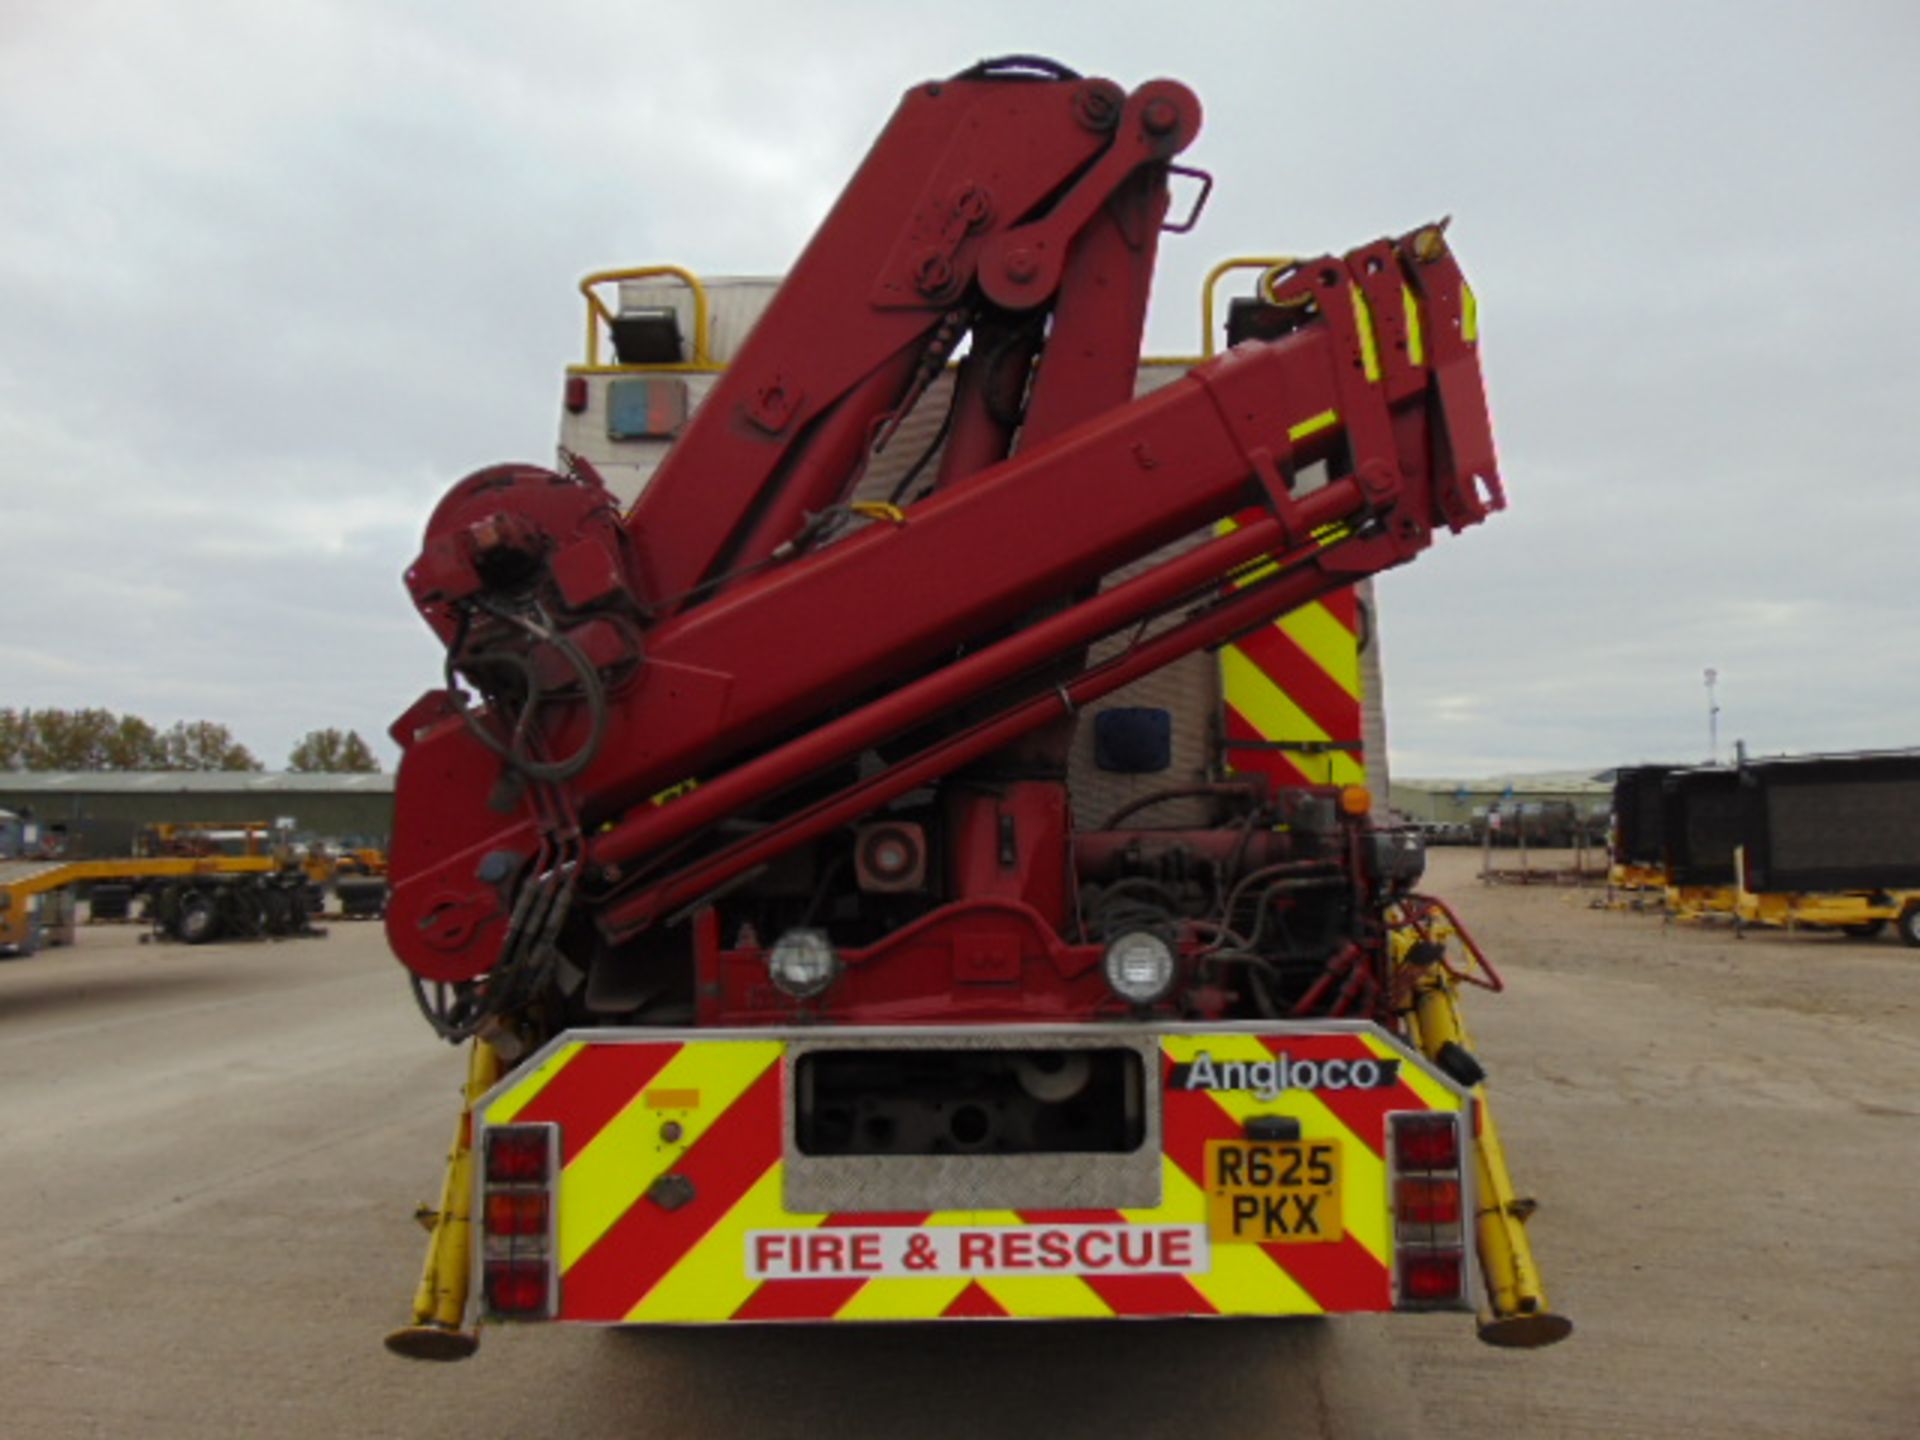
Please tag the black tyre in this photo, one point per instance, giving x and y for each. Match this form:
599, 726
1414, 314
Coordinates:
279, 911
1865, 930
238, 907
109, 902
1909, 923
196, 918
163, 906
363, 899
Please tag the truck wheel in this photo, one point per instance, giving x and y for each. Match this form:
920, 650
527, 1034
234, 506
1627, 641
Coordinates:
1909, 923
196, 921
277, 911
1865, 930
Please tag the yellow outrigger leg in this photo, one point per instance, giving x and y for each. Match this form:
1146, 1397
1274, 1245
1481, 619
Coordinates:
440, 1304
1519, 1316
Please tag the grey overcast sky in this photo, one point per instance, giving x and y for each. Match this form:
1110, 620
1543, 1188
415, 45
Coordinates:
273, 275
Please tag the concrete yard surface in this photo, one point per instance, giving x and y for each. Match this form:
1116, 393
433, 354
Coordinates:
212, 1157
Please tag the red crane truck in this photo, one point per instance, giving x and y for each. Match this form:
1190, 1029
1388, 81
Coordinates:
739, 840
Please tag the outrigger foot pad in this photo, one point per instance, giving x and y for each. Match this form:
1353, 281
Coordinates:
433, 1342
1525, 1332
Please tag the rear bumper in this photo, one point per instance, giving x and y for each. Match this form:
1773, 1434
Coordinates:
682, 1194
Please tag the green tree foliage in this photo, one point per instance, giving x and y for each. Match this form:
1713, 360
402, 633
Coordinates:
333, 751
204, 745
101, 740
133, 744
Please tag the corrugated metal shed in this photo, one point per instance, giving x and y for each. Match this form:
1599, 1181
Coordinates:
102, 809
1463, 800
189, 782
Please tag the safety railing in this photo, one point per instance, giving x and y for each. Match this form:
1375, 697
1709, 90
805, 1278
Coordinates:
598, 315
1271, 265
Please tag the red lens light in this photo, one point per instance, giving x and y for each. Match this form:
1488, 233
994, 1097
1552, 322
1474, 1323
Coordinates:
1431, 1276
516, 1287
517, 1155
1426, 1142
1427, 1202
517, 1212
576, 394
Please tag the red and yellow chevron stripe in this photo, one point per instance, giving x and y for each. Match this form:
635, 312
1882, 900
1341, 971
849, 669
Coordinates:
1293, 695
625, 1257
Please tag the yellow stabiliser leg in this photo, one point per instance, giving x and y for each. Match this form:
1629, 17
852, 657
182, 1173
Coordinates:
1520, 1318
440, 1304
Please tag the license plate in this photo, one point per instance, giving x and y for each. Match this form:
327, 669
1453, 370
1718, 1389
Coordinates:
1273, 1191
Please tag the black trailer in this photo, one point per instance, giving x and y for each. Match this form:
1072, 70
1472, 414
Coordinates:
1639, 816
1701, 826
1833, 823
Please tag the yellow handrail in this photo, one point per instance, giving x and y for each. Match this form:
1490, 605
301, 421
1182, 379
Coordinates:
597, 312
1209, 346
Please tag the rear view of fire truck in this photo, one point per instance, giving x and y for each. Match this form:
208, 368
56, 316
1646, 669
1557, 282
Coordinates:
738, 840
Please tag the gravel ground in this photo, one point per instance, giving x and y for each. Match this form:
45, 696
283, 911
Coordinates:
212, 1157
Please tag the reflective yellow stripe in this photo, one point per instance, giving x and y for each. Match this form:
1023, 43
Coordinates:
890, 1298
1049, 1297
1313, 424
1363, 1179
1272, 712
918, 1297
1333, 646
1369, 347
1244, 1279
710, 1281
1039, 1296
1254, 572
1262, 567
1469, 314
521, 1095
1416, 345
1363, 1175
607, 1179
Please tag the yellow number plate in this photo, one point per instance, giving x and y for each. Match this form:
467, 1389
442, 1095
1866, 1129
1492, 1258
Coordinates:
1267, 1191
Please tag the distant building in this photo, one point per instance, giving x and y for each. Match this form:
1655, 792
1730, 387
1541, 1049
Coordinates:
1466, 802
102, 809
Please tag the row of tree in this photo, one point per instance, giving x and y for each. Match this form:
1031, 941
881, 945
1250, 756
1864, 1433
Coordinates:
101, 740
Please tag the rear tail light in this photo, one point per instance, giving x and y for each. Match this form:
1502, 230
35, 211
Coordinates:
1432, 1278
515, 1213
1425, 1202
1429, 1141
517, 1288
576, 394
515, 1216
1430, 1210
519, 1154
